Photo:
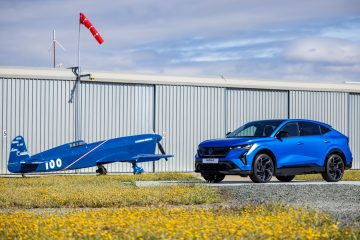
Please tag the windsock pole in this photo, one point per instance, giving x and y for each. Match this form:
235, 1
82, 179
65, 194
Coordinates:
77, 94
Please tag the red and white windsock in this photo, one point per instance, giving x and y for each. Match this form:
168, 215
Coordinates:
88, 24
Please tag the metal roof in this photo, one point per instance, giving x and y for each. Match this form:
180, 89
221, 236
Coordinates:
66, 74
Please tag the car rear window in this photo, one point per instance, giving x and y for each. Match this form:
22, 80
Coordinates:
309, 129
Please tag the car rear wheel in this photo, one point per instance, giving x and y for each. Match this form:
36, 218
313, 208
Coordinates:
213, 178
334, 168
263, 169
285, 178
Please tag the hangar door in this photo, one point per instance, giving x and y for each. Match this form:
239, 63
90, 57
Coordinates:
36, 109
354, 128
185, 116
243, 106
116, 110
328, 107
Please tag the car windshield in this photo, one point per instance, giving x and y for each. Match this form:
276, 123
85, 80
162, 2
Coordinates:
256, 129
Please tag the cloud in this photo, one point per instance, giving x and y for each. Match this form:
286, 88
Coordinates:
272, 39
324, 50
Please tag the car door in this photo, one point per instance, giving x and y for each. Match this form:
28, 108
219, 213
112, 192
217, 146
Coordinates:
314, 143
289, 150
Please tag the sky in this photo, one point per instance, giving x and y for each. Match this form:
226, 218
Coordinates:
308, 40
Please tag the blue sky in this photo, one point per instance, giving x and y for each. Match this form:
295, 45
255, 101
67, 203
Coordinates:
317, 40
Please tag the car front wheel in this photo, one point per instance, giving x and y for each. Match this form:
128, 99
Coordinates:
263, 169
213, 178
334, 168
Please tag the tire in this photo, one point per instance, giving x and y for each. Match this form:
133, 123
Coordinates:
213, 178
285, 178
334, 168
263, 169
101, 170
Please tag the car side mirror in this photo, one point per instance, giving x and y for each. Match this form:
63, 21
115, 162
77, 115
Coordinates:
282, 134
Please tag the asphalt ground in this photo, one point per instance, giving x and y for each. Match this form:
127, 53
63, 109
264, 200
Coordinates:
340, 199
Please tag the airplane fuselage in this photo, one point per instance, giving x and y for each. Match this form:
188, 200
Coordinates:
78, 154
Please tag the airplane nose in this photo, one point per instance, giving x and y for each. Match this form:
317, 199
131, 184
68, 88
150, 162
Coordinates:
158, 137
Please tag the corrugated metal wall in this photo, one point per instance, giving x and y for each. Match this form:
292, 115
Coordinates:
116, 110
328, 107
354, 128
36, 109
185, 116
243, 106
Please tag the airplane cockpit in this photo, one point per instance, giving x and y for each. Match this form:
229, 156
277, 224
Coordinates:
77, 143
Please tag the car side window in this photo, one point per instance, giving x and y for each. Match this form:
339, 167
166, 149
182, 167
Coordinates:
324, 129
309, 129
292, 129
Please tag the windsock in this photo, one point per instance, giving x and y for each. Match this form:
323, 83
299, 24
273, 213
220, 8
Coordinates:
88, 24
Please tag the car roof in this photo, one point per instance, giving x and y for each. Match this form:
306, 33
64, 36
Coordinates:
295, 120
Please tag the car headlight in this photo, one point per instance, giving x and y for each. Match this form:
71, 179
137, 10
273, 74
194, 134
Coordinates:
246, 147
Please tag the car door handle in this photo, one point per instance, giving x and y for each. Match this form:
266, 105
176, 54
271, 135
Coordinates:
326, 141
300, 143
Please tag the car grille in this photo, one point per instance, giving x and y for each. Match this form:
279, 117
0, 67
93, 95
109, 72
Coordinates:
213, 152
222, 166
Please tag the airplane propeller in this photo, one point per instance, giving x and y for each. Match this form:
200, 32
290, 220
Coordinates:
161, 149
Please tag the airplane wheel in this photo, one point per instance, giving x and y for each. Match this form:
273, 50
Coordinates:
101, 170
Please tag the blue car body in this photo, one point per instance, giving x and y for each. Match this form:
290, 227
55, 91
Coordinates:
305, 152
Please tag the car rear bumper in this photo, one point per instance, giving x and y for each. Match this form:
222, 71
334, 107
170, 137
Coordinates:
348, 166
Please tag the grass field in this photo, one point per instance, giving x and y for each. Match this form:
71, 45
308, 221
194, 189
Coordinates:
252, 222
112, 207
349, 175
100, 191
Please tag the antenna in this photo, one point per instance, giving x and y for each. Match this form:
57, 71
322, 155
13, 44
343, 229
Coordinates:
222, 76
53, 44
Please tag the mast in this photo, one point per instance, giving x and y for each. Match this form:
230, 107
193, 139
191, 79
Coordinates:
53, 46
77, 94
54, 41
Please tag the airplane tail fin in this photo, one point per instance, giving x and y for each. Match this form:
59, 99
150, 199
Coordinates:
18, 152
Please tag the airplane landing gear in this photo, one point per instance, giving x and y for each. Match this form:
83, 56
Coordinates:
137, 169
101, 170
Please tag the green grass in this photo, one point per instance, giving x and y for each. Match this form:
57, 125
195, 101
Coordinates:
100, 191
350, 175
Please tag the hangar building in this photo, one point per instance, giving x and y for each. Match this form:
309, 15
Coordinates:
185, 110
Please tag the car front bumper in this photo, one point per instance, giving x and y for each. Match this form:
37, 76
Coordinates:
223, 167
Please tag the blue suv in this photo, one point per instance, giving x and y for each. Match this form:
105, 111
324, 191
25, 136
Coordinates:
280, 148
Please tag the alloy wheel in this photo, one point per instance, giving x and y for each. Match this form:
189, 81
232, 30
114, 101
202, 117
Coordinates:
264, 168
335, 167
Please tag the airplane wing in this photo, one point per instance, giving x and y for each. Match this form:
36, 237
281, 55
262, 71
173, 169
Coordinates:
150, 157
138, 158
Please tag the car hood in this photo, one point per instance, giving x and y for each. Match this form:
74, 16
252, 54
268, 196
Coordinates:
230, 142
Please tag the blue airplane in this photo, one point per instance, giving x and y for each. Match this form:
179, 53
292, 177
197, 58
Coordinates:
75, 155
